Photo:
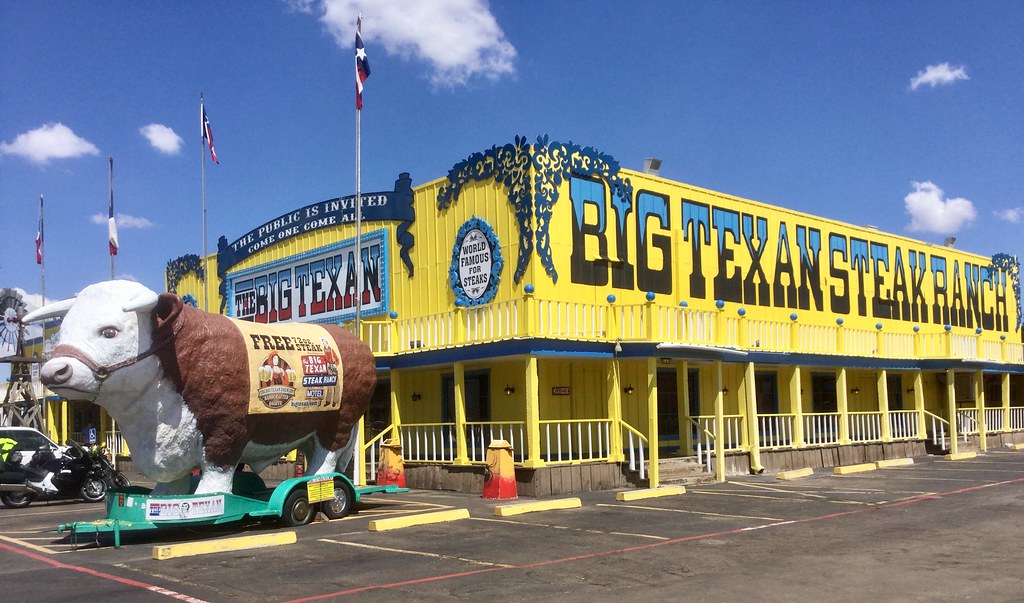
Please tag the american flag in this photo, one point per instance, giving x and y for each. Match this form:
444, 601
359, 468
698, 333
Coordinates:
39, 234
207, 133
362, 64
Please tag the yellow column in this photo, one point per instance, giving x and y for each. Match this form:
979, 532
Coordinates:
753, 425
979, 403
719, 423
882, 384
1005, 387
922, 426
796, 401
652, 420
683, 396
951, 408
63, 422
842, 407
532, 380
461, 453
359, 468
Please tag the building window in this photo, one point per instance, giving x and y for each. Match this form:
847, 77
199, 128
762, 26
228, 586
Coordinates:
478, 397
823, 393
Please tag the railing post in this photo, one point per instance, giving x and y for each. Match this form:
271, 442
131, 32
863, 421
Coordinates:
649, 316
741, 329
794, 333
683, 395
461, 453
721, 337
1005, 390
979, 402
840, 336
918, 346
527, 315
951, 408
882, 384
719, 431
652, 420
879, 340
753, 428
393, 343
947, 341
979, 344
922, 426
796, 403
459, 336
614, 324
533, 459
842, 407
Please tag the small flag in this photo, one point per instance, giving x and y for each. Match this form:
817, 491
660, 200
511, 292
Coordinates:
207, 133
39, 234
112, 229
362, 64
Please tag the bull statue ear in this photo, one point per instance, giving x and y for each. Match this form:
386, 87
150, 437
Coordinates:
53, 310
168, 307
143, 302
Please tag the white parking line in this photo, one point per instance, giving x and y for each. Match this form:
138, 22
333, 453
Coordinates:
557, 527
689, 512
408, 552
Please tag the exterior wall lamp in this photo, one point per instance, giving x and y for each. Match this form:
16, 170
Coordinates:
628, 390
509, 390
416, 396
855, 391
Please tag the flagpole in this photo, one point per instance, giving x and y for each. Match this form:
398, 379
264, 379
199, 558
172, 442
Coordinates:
202, 157
42, 254
359, 205
111, 157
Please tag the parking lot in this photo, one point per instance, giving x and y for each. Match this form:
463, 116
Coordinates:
934, 530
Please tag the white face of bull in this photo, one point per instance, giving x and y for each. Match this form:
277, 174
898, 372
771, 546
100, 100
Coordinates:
105, 325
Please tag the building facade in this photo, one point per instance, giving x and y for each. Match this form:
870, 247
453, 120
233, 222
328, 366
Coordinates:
601, 320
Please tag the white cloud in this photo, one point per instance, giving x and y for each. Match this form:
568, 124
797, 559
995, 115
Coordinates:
930, 211
459, 39
124, 221
1013, 215
51, 141
937, 75
162, 138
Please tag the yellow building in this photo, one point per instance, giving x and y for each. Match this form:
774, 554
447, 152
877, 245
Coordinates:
602, 320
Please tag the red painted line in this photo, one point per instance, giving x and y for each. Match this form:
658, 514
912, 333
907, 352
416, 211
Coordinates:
651, 545
102, 575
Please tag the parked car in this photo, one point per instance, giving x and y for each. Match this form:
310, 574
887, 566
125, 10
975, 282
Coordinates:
28, 440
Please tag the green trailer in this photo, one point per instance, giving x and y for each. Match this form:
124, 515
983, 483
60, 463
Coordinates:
293, 502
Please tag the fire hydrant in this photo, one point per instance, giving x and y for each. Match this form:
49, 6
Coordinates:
500, 473
391, 466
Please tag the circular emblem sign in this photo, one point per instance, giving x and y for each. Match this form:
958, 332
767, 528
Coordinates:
476, 263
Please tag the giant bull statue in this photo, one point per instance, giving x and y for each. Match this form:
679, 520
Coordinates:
190, 389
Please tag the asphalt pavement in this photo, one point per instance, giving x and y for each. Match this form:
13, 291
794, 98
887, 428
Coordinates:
936, 530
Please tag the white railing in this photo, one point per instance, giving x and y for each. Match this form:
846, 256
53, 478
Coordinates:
903, 424
967, 422
431, 331
682, 325
479, 436
821, 428
993, 420
571, 319
708, 434
816, 339
865, 426
377, 335
860, 342
964, 346
632, 322
939, 428
634, 442
1017, 417
499, 320
775, 431
575, 440
768, 335
430, 442
115, 443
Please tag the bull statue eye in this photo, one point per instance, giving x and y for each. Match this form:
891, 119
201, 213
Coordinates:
109, 332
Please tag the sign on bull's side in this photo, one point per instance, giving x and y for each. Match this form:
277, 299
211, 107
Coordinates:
315, 286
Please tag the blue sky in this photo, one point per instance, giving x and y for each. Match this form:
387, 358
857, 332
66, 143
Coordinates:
862, 112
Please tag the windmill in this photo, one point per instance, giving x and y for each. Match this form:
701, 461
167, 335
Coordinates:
21, 405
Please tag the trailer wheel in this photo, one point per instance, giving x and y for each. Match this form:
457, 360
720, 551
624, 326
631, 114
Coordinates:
341, 505
297, 510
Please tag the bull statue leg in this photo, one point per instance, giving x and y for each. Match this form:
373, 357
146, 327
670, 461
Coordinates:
177, 487
327, 461
215, 478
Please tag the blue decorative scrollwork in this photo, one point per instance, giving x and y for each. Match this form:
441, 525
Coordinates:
1011, 266
178, 268
552, 163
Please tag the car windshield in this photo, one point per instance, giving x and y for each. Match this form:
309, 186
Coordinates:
27, 440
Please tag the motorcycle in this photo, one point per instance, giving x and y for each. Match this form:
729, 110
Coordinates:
77, 473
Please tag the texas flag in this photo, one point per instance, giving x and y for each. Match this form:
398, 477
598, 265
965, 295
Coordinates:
207, 133
362, 64
112, 230
39, 234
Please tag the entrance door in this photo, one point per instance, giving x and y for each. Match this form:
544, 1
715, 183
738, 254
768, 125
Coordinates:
766, 388
668, 409
478, 397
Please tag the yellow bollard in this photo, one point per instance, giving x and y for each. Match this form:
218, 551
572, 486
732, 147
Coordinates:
391, 466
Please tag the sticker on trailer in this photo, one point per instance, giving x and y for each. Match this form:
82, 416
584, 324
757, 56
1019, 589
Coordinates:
174, 509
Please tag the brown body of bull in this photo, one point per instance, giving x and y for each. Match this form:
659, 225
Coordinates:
198, 360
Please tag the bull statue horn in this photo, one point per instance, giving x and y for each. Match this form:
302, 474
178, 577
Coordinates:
49, 311
143, 302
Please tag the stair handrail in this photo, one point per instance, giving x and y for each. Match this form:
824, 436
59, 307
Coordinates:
938, 435
701, 457
641, 438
